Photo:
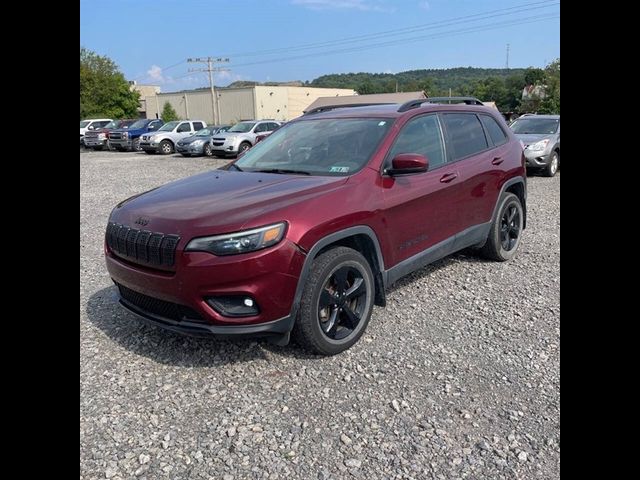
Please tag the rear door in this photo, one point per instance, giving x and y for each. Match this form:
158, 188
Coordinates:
478, 146
421, 209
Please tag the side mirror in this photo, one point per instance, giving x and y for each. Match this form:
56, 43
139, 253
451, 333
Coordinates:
152, 127
90, 127
404, 163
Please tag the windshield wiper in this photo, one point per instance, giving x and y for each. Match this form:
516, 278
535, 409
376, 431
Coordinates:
282, 170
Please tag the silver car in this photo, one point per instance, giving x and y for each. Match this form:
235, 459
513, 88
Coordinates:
241, 137
200, 143
540, 136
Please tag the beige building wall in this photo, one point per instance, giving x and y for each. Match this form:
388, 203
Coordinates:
301, 97
260, 102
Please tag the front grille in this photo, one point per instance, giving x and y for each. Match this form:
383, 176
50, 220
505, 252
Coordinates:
217, 144
115, 136
142, 246
91, 135
161, 308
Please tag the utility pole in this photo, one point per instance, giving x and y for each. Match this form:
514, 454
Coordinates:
507, 56
210, 61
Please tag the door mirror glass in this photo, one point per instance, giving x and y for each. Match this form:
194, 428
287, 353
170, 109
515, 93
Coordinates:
404, 163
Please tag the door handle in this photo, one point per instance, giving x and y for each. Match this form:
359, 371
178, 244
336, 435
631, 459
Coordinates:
497, 161
448, 177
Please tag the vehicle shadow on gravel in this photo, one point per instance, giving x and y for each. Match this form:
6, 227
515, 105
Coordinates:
161, 345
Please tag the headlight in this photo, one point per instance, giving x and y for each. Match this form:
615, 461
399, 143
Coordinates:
197, 143
125, 134
541, 145
102, 136
240, 242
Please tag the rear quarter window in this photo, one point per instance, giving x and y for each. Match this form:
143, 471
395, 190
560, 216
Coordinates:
496, 133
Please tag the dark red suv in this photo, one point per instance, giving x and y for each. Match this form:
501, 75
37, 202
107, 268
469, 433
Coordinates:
304, 232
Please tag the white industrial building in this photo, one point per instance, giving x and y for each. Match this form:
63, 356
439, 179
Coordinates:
234, 104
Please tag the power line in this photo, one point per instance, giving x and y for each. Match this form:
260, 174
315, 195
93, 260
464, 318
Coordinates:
477, 28
210, 61
407, 30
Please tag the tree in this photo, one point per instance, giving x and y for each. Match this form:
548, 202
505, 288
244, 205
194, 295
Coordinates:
168, 113
534, 76
104, 92
551, 102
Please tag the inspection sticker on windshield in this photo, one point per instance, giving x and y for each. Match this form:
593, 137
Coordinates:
339, 169
382, 123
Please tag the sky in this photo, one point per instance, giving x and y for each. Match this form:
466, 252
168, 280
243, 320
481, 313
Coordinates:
287, 40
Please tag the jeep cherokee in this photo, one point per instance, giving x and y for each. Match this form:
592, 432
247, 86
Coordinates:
303, 233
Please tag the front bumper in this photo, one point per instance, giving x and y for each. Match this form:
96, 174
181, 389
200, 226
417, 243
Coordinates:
537, 158
226, 147
150, 147
269, 276
121, 144
95, 142
190, 149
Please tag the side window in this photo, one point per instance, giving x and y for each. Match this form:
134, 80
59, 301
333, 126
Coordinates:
156, 124
272, 126
465, 134
497, 135
99, 124
184, 127
262, 127
421, 135
198, 126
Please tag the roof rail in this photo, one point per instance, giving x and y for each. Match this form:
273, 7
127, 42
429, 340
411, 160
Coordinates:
347, 105
418, 102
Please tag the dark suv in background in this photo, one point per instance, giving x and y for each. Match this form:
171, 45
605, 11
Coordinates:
305, 231
129, 138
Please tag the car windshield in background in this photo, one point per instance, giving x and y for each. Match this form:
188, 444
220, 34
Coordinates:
242, 127
332, 147
138, 124
539, 126
113, 124
205, 132
167, 127
126, 123
84, 123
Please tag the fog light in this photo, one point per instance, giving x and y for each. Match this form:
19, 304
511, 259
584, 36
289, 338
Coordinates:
234, 305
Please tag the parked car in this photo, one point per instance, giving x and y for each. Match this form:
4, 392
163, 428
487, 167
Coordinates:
540, 136
91, 124
241, 137
99, 138
306, 230
129, 138
262, 136
200, 143
165, 139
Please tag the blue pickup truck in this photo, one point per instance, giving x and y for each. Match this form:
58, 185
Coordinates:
129, 139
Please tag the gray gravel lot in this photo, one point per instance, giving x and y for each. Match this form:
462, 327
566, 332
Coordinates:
458, 377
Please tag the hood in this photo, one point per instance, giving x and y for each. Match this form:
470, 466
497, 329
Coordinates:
228, 135
529, 138
221, 201
193, 138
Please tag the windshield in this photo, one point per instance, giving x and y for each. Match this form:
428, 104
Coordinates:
84, 123
113, 124
205, 132
167, 127
139, 124
333, 147
538, 126
242, 127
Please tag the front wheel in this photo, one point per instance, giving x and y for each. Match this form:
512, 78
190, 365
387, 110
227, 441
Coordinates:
166, 147
208, 152
135, 145
554, 162
244, 146
506, 230
336, 302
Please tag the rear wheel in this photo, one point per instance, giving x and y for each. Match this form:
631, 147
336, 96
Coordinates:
336, 303
551, 169
166, 147
506, 229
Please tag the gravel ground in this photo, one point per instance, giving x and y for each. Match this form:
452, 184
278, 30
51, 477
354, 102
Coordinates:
458, 377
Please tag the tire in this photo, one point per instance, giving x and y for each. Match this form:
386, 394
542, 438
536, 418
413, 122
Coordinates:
207, 151
135, 145
244, 146
120, 149
340, 324
150, 152
166, 147
98, 148
554, 163
505, 234
185, 154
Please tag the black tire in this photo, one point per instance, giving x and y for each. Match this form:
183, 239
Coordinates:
166, 147
207, 151
135, 145
185, 154
97, 148
506, 230
552, 167
244, 146
339, 325
120, 149
150, 152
